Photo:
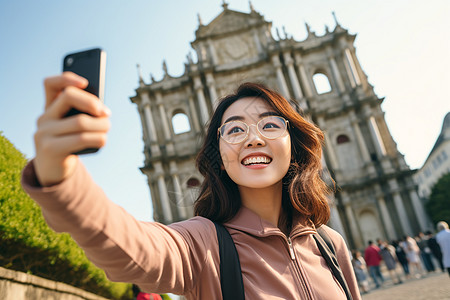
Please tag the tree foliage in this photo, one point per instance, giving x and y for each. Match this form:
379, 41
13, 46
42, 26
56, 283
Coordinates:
29, 245
438, 205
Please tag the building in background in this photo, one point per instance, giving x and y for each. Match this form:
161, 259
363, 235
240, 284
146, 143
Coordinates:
437, 163
376, 195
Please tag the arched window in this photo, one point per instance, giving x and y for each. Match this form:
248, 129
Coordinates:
342, 139
193, 182
180, 123
321, 83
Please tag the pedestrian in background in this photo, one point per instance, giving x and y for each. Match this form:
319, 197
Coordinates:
443, 239
412, 254
373, 260
435, 249
360, 268
401, 256
140, 295
425, 252
387, 252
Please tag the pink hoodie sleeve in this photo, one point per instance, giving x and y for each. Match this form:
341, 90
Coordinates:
157, 257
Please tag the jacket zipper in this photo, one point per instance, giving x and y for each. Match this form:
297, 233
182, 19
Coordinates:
291, 249
297, 268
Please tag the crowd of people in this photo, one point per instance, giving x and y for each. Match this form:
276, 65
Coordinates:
417, 256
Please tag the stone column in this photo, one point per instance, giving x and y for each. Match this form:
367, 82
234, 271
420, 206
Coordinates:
181, 206
335, 219
280, 77
163, 117
148, 116
166, 129
163, 195
193, 113
150, 125
362, 76
419, 210
352, 220
212, 89
376, 136
303, 76
400, 207
332, 155
353, 73
328, 145
201, 100
292, 76
386, 219
146, 134
359, 138
336, 74
349, 72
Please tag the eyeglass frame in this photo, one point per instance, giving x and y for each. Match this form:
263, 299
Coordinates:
257, 129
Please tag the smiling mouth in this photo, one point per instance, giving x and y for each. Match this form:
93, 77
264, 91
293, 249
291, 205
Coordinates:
256, 160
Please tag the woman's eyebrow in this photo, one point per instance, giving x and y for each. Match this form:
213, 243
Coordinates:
241, 118
269, 113
234, 118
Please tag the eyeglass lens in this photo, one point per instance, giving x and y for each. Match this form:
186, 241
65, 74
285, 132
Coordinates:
270, 127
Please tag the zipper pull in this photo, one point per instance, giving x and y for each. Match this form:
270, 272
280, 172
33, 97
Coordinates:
291, 249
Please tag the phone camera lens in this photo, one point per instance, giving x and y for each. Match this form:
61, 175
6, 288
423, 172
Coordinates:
69, 61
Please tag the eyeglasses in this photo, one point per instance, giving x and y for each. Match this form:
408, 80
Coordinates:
235, 132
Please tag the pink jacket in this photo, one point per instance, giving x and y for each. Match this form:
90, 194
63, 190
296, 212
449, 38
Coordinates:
183, 258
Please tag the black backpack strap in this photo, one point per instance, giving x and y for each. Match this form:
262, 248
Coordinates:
230, 272
326, 248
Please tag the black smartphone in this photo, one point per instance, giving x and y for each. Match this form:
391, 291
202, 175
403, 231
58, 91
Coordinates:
91, 65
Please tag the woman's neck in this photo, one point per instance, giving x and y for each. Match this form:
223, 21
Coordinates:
265, 202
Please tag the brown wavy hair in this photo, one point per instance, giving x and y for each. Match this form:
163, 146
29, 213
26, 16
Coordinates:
303, 188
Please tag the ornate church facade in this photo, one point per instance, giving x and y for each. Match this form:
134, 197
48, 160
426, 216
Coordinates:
376, 196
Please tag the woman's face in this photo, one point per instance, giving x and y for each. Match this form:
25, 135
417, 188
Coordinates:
256, 162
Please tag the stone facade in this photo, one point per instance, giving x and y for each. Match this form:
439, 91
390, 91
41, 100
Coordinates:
437, 163
376, 195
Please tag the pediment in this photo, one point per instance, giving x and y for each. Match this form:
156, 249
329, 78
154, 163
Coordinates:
227, 22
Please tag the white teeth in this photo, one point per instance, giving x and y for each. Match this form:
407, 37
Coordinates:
257, 160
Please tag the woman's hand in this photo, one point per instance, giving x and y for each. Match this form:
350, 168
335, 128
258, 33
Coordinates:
57, 137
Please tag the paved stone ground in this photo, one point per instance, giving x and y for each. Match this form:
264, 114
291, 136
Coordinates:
431, 287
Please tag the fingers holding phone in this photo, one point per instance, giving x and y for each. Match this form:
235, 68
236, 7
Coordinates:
89, 64
54, 123
74, 98
54, 85
59, 136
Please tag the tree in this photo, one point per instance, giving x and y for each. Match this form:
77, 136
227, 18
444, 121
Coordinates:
438, 205
27, 244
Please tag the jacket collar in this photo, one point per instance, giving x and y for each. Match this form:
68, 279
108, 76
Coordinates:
248, 221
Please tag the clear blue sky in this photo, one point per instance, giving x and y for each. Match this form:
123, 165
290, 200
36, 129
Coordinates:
403, 46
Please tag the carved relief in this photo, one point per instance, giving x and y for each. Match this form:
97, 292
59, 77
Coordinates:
235, 48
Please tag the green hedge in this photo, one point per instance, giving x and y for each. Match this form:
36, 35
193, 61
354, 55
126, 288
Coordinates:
438, 205
27, 244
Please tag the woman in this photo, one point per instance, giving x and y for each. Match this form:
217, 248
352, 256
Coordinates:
360, 268
261, 162
412, 254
